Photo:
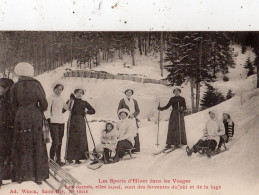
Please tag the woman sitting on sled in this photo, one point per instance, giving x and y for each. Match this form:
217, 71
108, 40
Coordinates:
214, 128
107, 145
126, 134
229, 130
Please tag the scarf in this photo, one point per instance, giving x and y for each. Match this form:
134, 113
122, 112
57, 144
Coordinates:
130, 103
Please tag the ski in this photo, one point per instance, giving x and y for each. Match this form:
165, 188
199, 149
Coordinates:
170, 150
161, 151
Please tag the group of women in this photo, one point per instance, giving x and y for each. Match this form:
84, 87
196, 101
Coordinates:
23, 107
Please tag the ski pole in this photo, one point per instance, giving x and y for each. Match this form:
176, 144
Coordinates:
179, 125
158, 118
90, 131
68, 127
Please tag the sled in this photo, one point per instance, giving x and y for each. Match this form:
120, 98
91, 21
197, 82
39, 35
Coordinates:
209, 153
60, 178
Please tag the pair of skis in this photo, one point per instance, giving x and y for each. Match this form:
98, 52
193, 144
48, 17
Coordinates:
165, 151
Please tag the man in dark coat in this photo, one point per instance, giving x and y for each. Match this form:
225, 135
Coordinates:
132, 105
29, 151
6, 128
176, 128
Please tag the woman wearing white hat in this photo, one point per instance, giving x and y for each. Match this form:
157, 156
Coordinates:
132, 105
54, 115
176, 134
77, 145
214, 128
126, 134
29, 151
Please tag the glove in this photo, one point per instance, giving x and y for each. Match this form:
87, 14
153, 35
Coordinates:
159, 108
72, 96
84, 114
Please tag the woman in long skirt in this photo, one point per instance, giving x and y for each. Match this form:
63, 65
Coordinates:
176, 129
29, 152
6, 128
77, 145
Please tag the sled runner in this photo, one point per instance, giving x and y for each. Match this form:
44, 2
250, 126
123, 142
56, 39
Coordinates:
207, 151
61, 177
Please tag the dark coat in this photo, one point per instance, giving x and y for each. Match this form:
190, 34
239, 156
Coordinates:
77, 143
176, 128
122, 104
29, 152
229, 127
6, 127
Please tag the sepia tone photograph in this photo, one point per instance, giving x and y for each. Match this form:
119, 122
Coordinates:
129, 111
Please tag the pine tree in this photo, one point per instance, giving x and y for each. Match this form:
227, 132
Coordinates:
248, 65
211, 97
197, 57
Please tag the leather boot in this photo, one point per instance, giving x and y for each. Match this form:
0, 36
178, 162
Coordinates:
106, 156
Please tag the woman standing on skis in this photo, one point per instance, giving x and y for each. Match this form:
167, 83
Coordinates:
77, 145
176, 128
132, 105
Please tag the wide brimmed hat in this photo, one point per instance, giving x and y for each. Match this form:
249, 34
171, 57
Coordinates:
214, 112
78, 88
177, 89
227, 114
57, 84
129, 90
123, 110
24, 69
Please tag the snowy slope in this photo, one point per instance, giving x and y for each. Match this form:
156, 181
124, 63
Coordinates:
236, 170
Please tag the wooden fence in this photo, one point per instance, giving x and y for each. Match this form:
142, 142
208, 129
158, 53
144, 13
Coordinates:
105, 75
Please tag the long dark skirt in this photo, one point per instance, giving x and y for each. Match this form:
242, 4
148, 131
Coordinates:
176, 134
29, 153
5, 154
77, 139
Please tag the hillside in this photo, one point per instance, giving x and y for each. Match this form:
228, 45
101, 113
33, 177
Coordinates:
236, 170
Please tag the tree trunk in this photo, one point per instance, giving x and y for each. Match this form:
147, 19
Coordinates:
132, 50
161, 53
145, 45
140, 43
71, 49
198, 80
192, 94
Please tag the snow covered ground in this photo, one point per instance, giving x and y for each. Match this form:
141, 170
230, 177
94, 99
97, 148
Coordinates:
236, 170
